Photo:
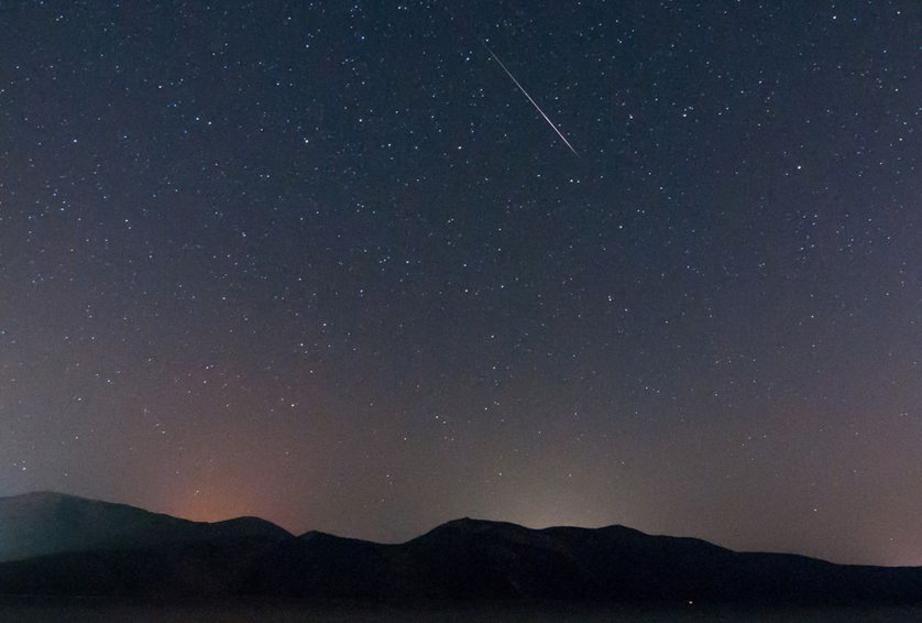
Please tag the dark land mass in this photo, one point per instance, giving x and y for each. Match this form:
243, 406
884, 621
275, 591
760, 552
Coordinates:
55, 545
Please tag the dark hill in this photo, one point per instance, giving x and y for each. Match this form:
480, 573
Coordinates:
44, 523
468, 561
471, 560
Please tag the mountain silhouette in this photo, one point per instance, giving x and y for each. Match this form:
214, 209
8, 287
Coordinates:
130, 552
43, 523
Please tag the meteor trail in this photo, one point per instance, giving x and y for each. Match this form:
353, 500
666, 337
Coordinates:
530, 99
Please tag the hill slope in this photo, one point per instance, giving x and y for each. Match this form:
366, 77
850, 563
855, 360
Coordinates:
470, 561
44, 523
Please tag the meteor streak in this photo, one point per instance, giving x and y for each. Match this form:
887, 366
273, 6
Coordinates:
530, 99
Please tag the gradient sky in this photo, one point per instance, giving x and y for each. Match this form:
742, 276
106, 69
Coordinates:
324, 263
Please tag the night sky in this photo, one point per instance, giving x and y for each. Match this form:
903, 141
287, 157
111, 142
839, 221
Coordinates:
324, 262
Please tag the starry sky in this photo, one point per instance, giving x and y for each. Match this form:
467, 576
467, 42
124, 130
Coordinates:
323, 262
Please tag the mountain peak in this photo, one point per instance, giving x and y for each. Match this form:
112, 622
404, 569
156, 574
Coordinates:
252, 526
468, 528
473, 523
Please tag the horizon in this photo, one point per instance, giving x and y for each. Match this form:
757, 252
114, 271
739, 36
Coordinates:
362, 267
458, 519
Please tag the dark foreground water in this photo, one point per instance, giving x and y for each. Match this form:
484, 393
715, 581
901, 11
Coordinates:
86, 612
